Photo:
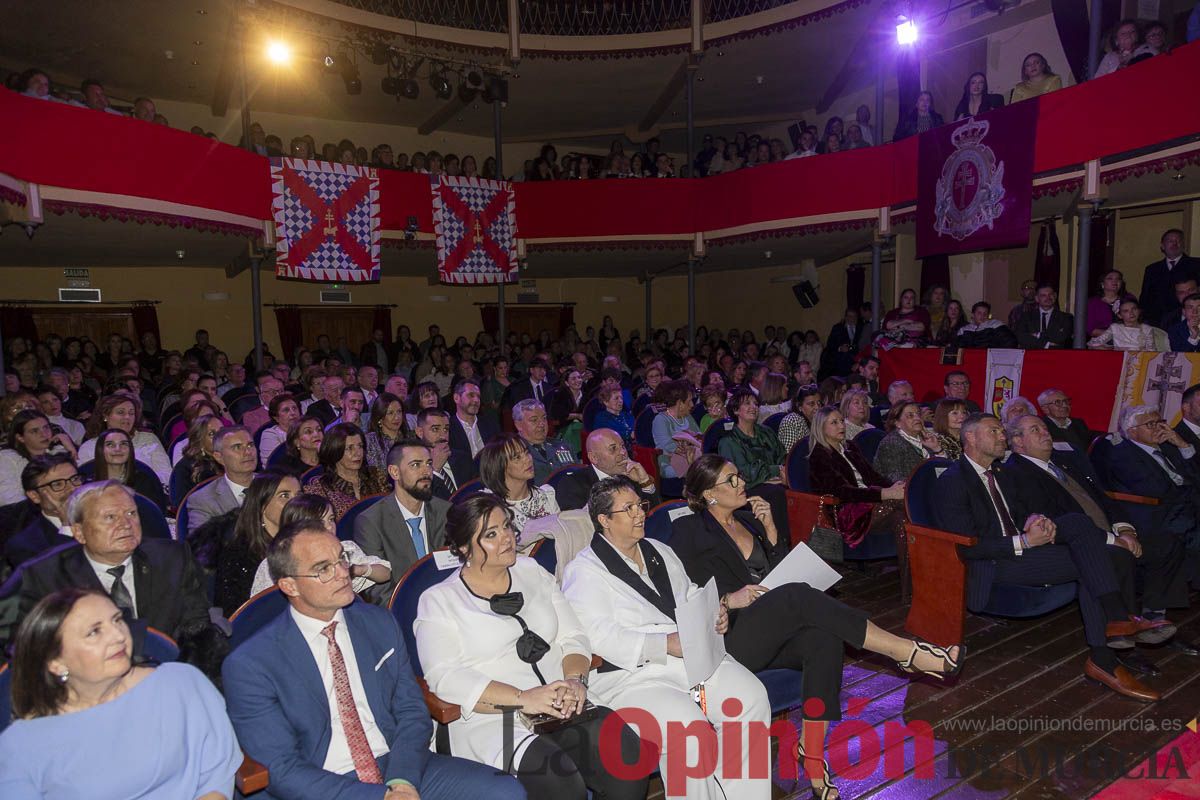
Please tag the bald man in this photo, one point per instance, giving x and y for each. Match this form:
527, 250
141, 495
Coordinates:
608, 458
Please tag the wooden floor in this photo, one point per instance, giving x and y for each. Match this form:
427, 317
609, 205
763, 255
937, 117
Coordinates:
1020, 722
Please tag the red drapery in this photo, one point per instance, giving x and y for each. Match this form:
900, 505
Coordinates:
151, 161
382, 320
145, 320
1089, 377
856, 280
17, 321
291, 330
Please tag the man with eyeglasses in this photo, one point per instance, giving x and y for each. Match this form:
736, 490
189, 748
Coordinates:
324, 695
957, 386
608, 459
269, 387
1056, 412
233, 449
48, 481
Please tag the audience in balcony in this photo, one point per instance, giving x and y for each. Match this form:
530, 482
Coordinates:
1130, 333
1161, 279
976, 99
1126, 47
918, 119
907, 325
1045, 326
1036, 79
1104, 309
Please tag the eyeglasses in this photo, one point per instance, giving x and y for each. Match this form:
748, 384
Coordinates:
59, 484
1064, 401
735, 480
328, 572
642, 505
1153, 423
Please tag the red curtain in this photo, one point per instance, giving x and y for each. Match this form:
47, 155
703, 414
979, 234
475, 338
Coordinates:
382, 320
145, 320
935, 271
1048, 267
856, 280
291, 330
17, 321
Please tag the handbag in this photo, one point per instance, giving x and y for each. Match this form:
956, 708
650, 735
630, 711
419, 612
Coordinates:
539, 724
827, 543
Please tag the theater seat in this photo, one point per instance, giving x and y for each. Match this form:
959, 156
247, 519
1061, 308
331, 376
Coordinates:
345, 525
715, 433
643, 427
256, 612
774, 420
659, 522
868, 441
804, 507
554, 478
467, 490
154, 523
546, 554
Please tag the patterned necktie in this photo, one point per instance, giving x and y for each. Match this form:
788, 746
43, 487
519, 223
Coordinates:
1006, 520
537, 392
449, 478
414, 528
1081, 496
1161, 458
360, 750
1045, 320
119, 594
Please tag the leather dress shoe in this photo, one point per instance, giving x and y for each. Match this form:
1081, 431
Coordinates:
1185, 647
1141, 629
1121, 681
1138, 664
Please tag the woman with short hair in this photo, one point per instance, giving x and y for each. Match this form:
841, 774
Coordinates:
506, 470
346, 477
284, 410
856, 410
91, 723
948, 418
908, 443
795, 425
756, 451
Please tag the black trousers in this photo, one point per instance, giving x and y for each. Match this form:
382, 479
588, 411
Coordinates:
1164, 579
1079, 553
796, 627
776, 495
565, 764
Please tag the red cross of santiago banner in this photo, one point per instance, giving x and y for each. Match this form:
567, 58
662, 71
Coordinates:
326, 221
975, 182
476, 225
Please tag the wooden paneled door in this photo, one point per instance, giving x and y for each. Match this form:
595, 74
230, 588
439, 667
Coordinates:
351, 326
96, 323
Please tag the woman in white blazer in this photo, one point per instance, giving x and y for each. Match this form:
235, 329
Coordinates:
625, 590
496, 635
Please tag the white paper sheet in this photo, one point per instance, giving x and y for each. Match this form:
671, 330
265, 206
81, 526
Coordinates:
802, 565
703, 648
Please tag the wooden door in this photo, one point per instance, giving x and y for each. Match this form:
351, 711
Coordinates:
81, 320
351, 326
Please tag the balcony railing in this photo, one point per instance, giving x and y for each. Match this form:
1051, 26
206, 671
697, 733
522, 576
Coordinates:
563, 17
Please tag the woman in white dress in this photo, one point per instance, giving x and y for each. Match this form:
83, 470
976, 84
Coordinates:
497, 634
1129, 332
124, 410
625, 589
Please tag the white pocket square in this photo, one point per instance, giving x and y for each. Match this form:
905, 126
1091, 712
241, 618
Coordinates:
386, 656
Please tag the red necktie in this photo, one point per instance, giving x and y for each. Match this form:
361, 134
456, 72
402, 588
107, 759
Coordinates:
360, 750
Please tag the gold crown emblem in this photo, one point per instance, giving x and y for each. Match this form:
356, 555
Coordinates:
970, 134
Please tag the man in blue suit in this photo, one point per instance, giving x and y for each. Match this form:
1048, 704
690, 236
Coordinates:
325, 698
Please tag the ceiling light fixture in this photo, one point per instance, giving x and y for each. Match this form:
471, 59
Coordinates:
278, 52
440, 83
906, 31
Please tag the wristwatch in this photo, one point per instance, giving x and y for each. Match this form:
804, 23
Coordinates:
581, 678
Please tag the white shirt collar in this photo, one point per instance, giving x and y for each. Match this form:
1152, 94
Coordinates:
1062, 425
1194, 428
600, 474
55, 521
239, 491
311, 628
1146, 447
404, 512
471, 426
980, 471
100, 568
1044, 465
911, 440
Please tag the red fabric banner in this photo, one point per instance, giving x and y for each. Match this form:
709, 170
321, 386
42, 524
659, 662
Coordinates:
476, 224
1089, 377
975, 182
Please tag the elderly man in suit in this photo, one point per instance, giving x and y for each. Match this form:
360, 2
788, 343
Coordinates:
324, 695
48, 481
607, 458
1056, 412
408, 525
1021, 546
260, 416
156, 582
1045, 326
1054, 477
233, 448
1158, 281
529, 417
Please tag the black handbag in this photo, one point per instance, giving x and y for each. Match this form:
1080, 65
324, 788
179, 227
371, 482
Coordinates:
827, 543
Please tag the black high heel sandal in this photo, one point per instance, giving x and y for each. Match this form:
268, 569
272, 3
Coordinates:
954, 666
826, 791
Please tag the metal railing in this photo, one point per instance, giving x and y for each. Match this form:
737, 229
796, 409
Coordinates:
563, 17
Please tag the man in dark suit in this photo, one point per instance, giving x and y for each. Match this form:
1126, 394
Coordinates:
1056, 411
156, 581
1184, 286
1018, 546
534, 386
328, 407
433, 428
1045, 326
957, 386
842, 345
48, 481
1184, 335
1189, 423
608, 458
280, 683
1060, 481
408, 525
469, 432
1158, 282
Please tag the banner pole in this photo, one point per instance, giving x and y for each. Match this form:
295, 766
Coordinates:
1082, 278
876, 284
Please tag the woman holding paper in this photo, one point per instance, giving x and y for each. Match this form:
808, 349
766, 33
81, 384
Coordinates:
793, 626
625, 589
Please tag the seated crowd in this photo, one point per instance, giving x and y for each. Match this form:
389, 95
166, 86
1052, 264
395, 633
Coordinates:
331, 476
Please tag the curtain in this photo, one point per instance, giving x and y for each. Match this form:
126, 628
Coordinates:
856, 282
1048, 267
291, 330
17, 321
1100, 256
145, 320
382, 320
935, 271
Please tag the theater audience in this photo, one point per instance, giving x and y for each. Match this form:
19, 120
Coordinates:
30, 436
675, 430
614, 416
345, 477
387, 426
908, 443
798, 422
409, 524
197, 464
529, 418
1124, 45
48, 481
773, 396
123, 410
856, 412
284, 410
607, 457
918, 119
506, 470
497, 634
948, 417
1045, 326
1036, 79
320, 728
945, 332
1104, 309
302, 448
976, 99
116, 462
712, 397
755, 450
242, 537
82, 704
51, 405
1159, 278
234, 452
1056, 411
1130, 333
907, 325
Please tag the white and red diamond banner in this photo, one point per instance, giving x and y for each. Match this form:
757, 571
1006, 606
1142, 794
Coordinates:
326, 221
476, 225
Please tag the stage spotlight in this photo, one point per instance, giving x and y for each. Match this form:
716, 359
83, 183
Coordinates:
380, 53
390, 85
906, 31
474, 80
410, 89
440, 85
497, 89
466, 94
278, 52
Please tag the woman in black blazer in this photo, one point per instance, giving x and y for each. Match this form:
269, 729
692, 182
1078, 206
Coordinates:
976, 99
793, 626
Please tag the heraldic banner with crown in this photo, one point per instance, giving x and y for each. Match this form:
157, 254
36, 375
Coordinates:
975, 182
475, 221
326, 221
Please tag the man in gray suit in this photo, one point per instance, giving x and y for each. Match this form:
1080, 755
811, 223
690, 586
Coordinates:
411, 523
234, 450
